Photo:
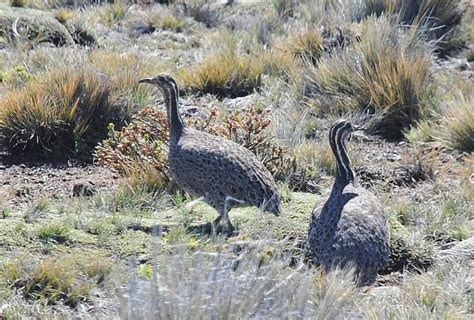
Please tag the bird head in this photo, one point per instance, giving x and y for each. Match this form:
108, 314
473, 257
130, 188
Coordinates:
163, 81
347, 129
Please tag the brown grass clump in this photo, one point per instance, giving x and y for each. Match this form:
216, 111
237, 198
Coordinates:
113, 13
457, 125
385, 73
140, 150
440, 16
231, 74
226, 74
307, 46
64, 111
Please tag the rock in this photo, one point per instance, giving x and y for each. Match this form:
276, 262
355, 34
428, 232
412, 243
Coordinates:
28, 24
80, 34
83, 189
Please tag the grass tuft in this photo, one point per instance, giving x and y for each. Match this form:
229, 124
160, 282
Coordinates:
226, 74
58, 233
385, 74
457, 124
62, 112
307, 46
67, 281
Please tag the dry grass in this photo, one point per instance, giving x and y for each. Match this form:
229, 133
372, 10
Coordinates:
251, 283
307, 46
65, 111
389, 85
111, 14
457, 124
68, 280
226, 74
164, 18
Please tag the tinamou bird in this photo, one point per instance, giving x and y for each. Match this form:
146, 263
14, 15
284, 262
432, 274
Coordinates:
350, 227
223, 173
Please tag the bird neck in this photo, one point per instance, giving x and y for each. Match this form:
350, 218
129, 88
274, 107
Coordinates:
175, 122
344, 173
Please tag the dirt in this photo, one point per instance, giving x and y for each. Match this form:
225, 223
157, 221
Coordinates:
23, 181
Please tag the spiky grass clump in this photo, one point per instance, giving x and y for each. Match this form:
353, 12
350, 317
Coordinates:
457, 124
252, 284
385, 73
226, 74
68, 281
307, 46
112, 14
167, 19
65, 111
439, 16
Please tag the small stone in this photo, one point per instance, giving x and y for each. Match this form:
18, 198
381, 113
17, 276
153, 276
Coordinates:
143, 258
83, 189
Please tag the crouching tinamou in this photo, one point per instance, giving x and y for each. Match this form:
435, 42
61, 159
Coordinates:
221, 171
350, 226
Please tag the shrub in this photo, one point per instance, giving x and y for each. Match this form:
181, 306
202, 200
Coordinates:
385, 74
140, 149
60, 112
139, 146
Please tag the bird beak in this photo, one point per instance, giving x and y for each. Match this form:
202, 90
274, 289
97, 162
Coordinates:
146, 80
359, 132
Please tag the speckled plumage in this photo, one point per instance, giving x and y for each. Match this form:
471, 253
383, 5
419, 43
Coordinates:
350, 226
213, 167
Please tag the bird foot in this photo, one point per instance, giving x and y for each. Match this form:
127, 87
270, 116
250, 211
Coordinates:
227, 231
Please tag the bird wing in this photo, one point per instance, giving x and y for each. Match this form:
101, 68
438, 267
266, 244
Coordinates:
217, 167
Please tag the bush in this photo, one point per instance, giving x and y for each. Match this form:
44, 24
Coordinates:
385, 74
140, 150
65, 111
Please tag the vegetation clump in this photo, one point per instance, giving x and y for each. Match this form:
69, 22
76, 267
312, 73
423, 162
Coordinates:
391, 86
68, 281
60, 113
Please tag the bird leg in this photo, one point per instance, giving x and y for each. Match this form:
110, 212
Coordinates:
227, 206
